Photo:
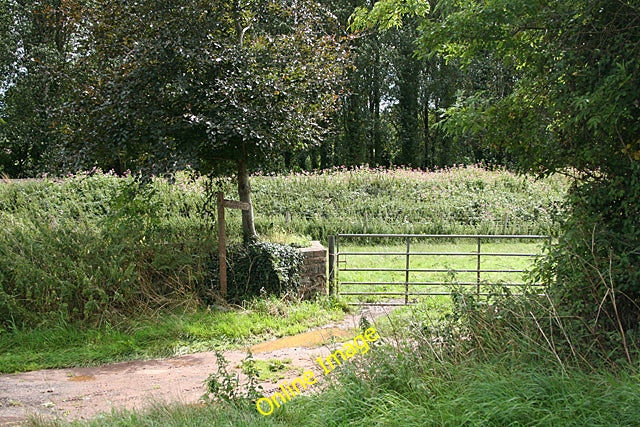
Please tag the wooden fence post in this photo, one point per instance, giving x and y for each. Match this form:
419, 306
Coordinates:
222, 238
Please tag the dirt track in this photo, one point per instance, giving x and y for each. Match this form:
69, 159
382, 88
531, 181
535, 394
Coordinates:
81, 393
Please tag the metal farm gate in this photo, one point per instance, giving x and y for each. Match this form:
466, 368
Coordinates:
390, 276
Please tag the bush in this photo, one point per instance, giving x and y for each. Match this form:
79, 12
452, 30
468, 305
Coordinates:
594, 271
95, 248
261, 268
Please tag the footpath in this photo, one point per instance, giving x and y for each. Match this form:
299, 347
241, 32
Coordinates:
83, 393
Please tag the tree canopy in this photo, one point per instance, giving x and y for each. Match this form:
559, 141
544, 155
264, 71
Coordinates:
573, 96
124, 69
213, 86
206, 83
570, 104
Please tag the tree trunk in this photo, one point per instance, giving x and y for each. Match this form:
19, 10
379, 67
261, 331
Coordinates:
408, 81
374, 108
428, 143
244, 192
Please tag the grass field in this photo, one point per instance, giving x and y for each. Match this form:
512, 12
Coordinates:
94, 270
94, 249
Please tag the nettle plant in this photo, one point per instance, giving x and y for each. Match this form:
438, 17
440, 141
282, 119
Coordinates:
224, 384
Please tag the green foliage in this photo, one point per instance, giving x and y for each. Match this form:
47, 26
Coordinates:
450, 201
259, 269
205, 84
572, 103
399, 387
93, 248
164, 333
224, 384
594, 272
35, 68
213, 87
388, 14
418, 90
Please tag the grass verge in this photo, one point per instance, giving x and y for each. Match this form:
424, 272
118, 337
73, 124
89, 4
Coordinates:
475, 366
395, 388
163, 335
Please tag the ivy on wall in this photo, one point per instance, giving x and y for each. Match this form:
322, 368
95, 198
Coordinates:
261, 268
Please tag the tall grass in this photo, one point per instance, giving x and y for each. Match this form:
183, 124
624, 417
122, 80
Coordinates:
449, 201
408, 394
507, 361
96, 248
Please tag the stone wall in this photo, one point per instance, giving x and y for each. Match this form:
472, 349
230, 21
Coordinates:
313, 275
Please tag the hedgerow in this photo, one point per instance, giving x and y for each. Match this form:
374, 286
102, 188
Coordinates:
93, 247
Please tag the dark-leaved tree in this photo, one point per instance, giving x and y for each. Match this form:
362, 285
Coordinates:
38, 47
222, 87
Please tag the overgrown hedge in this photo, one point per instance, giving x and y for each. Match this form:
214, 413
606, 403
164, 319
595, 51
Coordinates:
594, 271
93, 248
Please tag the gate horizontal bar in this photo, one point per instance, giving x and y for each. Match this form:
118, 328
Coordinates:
430, 270
439, 253
383, 303
456, 236
409, 294
391, 304
375, 293
442, 283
